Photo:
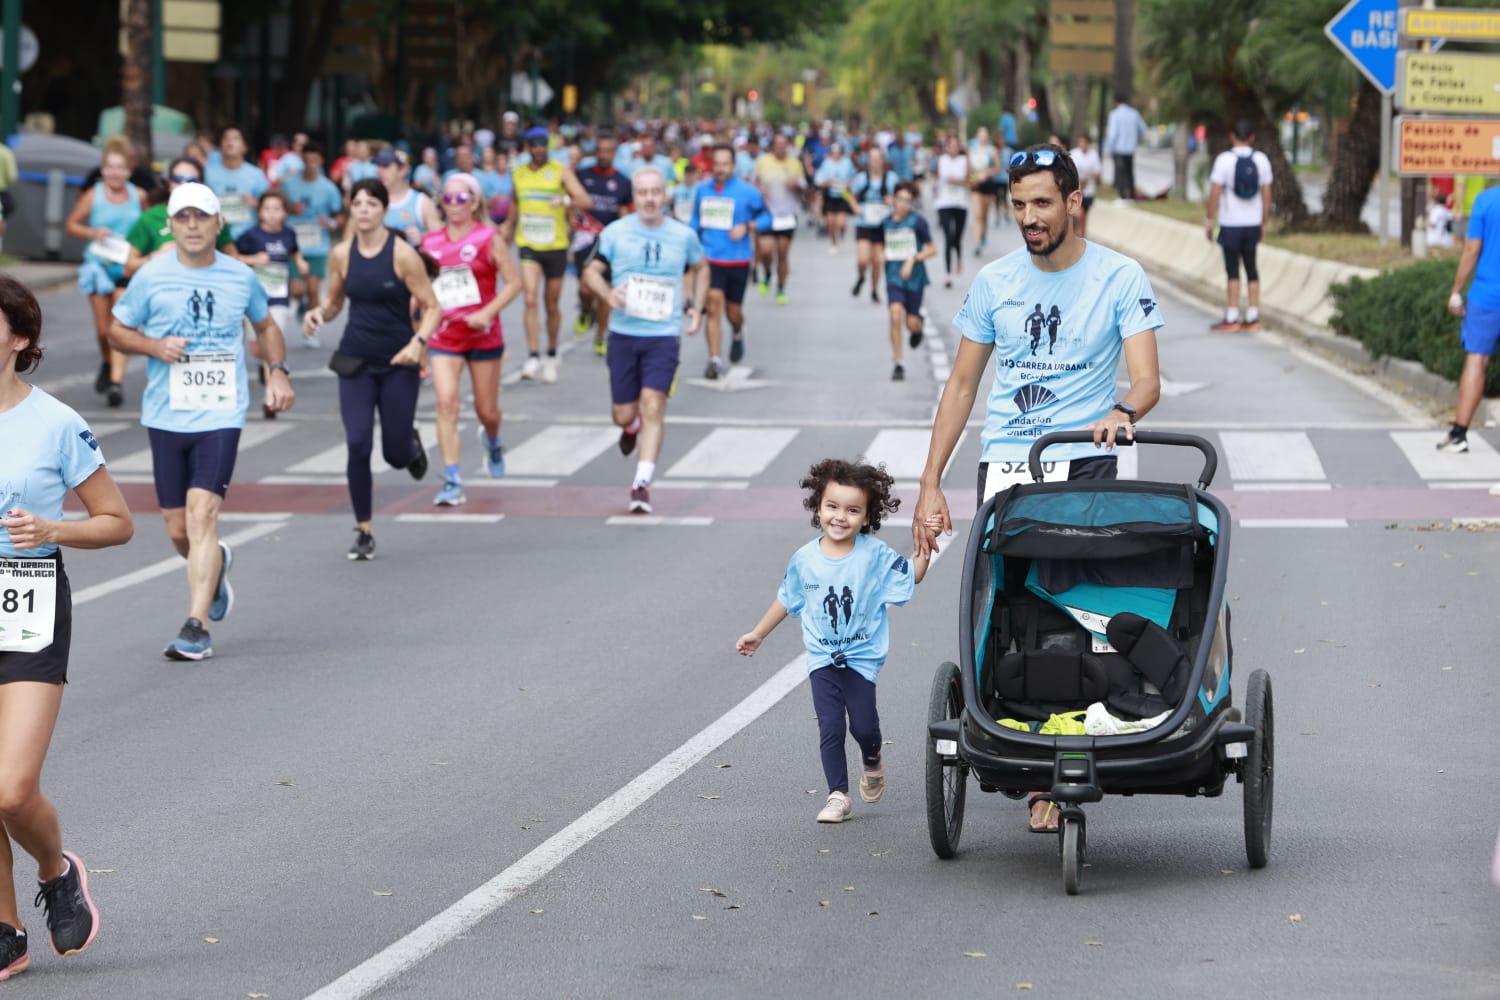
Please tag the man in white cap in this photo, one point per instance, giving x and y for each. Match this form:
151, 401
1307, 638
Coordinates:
185, 311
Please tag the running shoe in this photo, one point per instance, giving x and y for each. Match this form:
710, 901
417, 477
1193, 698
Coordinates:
714, 369
582, 323
101, 381
1226, 326
451, 495
872, 782
532, 368
914, 338
223, 592
898, 374
640, 500
114, 395
418, 465
494, 455
836, 809
71, 916
765, 289
1453, 444
875, 295
192, 643
1250, 326
736, 350
599, 346
364, 545
13, 957
859, 286
549, 369
781, 296
948, 282
628, 436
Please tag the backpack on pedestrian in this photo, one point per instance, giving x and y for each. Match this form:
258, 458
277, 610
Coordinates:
1246, 177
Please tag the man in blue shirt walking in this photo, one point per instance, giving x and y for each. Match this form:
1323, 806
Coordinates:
1122, 135
1481, 315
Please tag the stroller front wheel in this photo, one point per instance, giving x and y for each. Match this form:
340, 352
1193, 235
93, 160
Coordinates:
947, 777
1259, 770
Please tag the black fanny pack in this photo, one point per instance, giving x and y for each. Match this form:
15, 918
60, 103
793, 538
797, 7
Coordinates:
346, 365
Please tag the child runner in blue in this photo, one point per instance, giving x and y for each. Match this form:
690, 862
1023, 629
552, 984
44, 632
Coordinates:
908, 242
839, 584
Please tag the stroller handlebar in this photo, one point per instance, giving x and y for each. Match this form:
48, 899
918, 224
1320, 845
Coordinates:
1210, 456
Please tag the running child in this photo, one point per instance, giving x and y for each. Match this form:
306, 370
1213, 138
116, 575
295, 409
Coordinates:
908, 242
839, 585
270, 247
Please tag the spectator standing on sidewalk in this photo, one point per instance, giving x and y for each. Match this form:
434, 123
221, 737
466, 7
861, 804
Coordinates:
1122, 135
1481, 314
1241, 197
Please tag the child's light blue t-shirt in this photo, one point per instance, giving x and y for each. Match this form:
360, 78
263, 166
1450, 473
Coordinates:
842, 602
205, 305
654, 257
1058, 339
48, 451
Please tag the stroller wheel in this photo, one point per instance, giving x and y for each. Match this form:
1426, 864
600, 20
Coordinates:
1073, 847
946, 778
1259, 770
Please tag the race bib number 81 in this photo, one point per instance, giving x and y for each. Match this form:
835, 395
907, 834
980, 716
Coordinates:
28, 604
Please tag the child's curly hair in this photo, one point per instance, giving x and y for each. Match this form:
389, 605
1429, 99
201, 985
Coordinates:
873, 480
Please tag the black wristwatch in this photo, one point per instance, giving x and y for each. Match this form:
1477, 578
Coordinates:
280, 366
1126, 409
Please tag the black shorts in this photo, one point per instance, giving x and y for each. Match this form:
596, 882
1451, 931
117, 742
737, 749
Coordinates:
50, 665
730, 279
554, 263
582, 256
1239, 243
991, 187
834, 203
874, 234
199, 460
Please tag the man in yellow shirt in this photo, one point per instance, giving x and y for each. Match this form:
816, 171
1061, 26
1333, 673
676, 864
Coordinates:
544, 189
781, 178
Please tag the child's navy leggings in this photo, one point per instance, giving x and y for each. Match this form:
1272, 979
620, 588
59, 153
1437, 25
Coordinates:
837, 692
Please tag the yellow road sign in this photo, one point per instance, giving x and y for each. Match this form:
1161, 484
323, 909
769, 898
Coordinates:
1089, 62
1458, 83
1443, 146
1452, 23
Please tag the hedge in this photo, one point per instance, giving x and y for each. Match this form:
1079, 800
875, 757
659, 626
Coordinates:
1403, 313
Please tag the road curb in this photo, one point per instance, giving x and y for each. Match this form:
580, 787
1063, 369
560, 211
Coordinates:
1174, 250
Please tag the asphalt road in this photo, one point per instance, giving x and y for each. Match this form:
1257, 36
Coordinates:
517, 755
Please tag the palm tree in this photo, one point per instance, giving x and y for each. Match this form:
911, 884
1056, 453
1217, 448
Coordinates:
135, 73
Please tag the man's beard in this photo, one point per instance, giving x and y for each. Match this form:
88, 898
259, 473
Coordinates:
1047, 249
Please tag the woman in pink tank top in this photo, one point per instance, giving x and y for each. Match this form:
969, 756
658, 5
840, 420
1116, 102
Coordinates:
471, 257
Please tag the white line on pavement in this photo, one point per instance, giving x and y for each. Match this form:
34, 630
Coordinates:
165, 566
1292, 522
449, 518
406, 953
659, 519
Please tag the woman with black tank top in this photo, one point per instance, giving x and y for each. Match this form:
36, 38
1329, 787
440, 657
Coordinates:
377, 360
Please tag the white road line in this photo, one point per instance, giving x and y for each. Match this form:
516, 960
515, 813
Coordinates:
168, 565
701, 484
1477, 484
334, 461
1480, 462
559, 450
1292, 522
1282, 487
1279, 456
253, 434
449, 518
904, 451
403, 955
732, 453
509, 480
659, 519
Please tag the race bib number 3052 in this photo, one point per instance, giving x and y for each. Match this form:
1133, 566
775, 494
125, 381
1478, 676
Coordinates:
28, 604
205, 382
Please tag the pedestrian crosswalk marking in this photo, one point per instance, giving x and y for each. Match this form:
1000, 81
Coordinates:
334, 462
1480, 462
904, 451
560, 450
253, 434
733, 452
1279, 456
659, 520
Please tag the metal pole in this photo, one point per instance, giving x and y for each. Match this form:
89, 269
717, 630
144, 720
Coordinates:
10, 76
1385, 168
158, 59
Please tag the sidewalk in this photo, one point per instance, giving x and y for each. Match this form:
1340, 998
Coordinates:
43, 276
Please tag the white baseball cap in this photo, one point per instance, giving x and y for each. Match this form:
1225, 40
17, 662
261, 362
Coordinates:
193, 195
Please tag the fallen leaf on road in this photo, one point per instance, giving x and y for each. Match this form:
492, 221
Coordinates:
1398, 564
822, 850
111, 871
708, 797
440, 763
536, 911
723, 766
848, 888
879, 854
822, 902
379, 893
975, 954
714, 892
1302, 650
1095, 944
1445, 668
697, 917
1023, 986
734, 906
1295, 918
812, 791
1226, 871
287, 783
874, 913
257, 996
1372, 685
211, 940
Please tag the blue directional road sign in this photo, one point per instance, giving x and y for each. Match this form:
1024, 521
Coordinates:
1367, 32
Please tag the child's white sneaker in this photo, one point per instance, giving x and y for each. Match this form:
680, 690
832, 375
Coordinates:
836, 809
872, 783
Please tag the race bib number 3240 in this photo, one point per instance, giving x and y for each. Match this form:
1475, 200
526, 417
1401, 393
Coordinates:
28, 604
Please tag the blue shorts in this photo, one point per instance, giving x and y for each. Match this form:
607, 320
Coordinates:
476, 354
201, 460
637, 363
95, 278
1481, 330
911, 298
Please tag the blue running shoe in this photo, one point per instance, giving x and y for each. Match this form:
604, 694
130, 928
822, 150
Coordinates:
191, 643
494, 454
223, 593
451, 495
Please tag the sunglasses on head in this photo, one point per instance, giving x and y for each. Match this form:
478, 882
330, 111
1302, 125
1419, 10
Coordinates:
184, 179
456, 197
1041, 157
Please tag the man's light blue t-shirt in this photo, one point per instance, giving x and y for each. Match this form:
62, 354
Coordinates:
1484, 224
231, 186
842, 602
319, 197
649, 256
48, 451
1058, 340
206, 305
836, 174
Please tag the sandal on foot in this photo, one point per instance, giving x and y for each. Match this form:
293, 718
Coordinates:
1050, 816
